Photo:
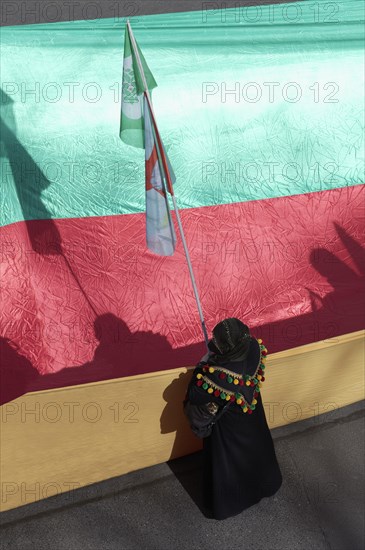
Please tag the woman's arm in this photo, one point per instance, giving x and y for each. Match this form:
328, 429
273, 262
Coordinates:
195, 394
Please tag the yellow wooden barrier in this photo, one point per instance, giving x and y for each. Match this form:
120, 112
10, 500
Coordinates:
66, 438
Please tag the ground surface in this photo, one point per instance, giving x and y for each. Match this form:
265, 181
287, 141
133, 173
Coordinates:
319, 506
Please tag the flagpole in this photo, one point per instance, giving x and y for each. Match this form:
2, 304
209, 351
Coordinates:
169, 184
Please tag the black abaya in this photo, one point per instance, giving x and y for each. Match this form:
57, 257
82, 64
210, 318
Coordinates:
240, 464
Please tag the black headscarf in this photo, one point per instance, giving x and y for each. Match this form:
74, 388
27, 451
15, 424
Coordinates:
231, 340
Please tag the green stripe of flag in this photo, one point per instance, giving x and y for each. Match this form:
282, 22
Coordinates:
131, 121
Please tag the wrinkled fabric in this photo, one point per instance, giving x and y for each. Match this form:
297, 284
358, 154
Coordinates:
271, 191
267, 102
83, 300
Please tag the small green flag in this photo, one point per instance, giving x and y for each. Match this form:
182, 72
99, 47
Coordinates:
131, 120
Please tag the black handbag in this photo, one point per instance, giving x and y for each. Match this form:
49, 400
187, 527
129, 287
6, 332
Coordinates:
201, 419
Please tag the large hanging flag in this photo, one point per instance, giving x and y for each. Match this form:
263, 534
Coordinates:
131, 121
254, 224
160, 232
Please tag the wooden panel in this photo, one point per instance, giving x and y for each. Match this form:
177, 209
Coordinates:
53, 441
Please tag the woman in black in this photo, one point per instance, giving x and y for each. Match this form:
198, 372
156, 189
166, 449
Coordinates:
240, 465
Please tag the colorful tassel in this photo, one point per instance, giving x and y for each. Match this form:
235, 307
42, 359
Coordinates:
236, 379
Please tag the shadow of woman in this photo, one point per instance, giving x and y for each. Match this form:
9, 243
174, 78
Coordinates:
186, 459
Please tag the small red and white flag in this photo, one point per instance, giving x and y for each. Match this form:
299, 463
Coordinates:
160, 231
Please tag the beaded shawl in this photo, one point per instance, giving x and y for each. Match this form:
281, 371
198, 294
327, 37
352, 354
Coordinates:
227, 384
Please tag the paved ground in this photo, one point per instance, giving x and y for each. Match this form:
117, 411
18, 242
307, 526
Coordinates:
319, 506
